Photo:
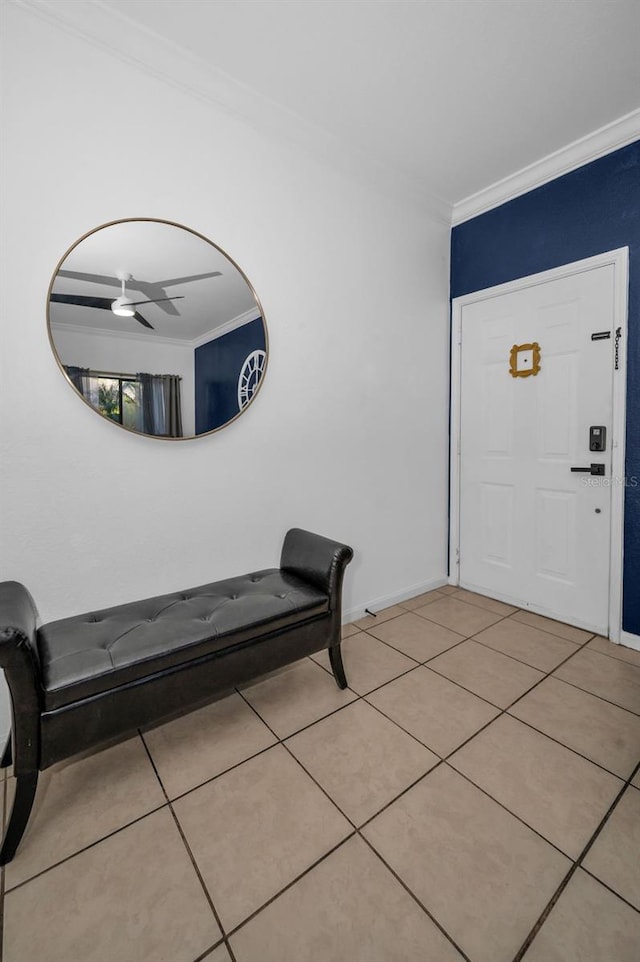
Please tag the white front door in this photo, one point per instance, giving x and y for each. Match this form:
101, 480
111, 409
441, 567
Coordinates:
532, 531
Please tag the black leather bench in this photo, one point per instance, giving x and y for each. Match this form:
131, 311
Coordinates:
88, 679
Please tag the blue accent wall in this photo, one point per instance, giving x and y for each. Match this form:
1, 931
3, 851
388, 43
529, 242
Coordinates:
217, 368
593, 209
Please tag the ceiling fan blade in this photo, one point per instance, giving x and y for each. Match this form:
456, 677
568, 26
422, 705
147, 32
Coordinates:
95, 278
103, 303
156, 300
83, 300
140, 319
185, 280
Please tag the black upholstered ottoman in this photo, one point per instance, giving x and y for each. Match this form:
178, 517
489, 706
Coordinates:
83, 680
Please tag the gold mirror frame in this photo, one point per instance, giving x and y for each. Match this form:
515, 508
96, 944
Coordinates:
238, 290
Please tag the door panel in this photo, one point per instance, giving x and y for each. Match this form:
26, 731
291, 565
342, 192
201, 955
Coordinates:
497, 421
556, 412
555, 535
530, 529
497, 521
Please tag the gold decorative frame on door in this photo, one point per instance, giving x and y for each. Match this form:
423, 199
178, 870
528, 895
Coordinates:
525, 360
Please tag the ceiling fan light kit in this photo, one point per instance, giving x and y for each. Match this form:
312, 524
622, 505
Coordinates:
122, 306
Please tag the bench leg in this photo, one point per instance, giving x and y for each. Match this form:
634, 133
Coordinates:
22, 803
7, 756
335, 657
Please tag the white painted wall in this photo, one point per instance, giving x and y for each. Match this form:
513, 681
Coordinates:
129, 355
348, 436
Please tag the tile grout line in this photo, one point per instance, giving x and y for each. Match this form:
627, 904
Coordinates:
607, 886
626, 784
585, 631
189, 853
358, 829
474, 638
86, 848
605, 819
562, 744
502, 711
505, 711
225, 771
414, 611
104, 838
416, 899
499, 620
601, 697
572, 871
212, 948
445, 760
478, 640
152, 811
607, 654
511, 614
509, 812
317, 783
356, 833
325, 792
153, 765
281, 741
545, 675
297, 760
290, 884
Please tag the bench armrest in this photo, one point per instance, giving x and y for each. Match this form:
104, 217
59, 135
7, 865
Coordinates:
17, 616
317, 560
19, 658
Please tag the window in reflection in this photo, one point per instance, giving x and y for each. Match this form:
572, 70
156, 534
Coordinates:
149, 403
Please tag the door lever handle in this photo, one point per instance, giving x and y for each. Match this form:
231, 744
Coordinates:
597, 469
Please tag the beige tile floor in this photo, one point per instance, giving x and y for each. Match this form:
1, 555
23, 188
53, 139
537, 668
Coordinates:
474, 794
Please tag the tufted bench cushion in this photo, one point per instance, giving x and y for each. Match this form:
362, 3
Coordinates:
94, 652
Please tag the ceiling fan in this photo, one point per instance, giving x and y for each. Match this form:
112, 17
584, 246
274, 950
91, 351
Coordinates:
154, 291
122, 305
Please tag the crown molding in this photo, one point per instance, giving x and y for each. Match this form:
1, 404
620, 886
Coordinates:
226, 328
603, 141
117, 335
119, 35
151, 338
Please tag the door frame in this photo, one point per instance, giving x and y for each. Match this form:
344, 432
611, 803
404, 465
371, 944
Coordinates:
620, 260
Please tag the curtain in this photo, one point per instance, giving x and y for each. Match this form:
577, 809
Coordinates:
82, 381
161, 408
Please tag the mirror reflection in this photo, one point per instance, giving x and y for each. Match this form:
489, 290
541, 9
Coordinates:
157, 329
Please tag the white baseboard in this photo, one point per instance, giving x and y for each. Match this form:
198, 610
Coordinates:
377, 604
629, 640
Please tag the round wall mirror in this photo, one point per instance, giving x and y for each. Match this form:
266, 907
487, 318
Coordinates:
157, 329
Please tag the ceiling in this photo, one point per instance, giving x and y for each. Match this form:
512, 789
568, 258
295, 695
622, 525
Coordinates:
164, 260
438, 99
